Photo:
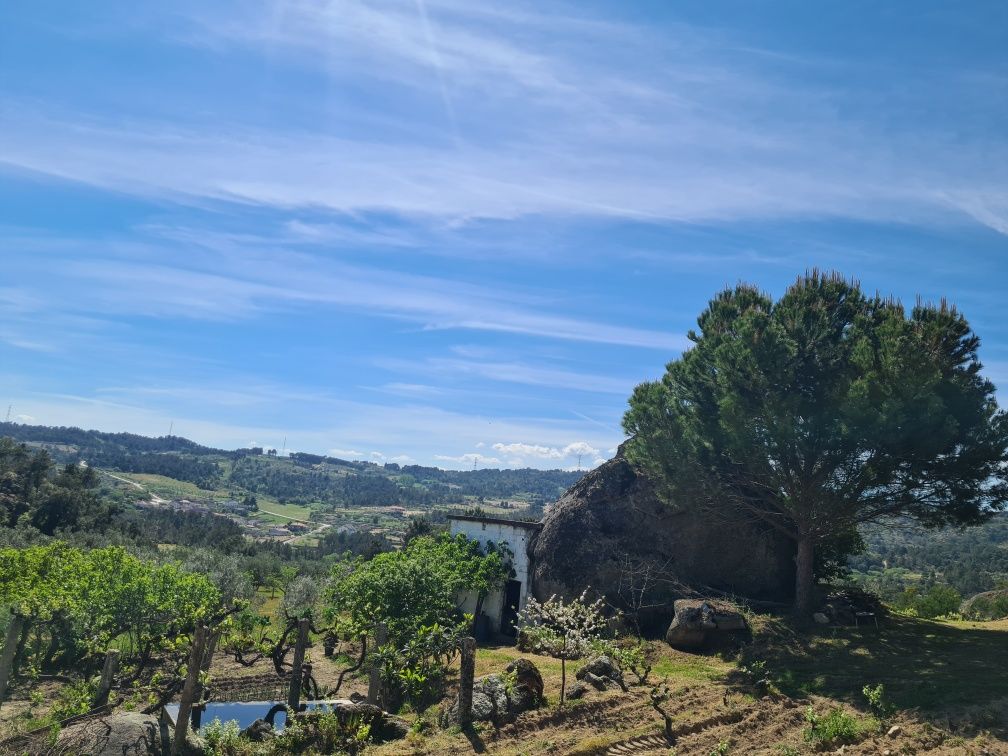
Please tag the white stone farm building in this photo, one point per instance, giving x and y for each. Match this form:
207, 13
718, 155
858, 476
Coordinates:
501, 608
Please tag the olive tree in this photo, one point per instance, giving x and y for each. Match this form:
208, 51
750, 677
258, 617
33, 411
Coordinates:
822, 410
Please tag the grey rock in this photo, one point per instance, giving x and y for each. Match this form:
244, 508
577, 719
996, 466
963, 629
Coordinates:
502, 698
700, 623
820, 618
894, 731
602, 668
612, 521
527, 676
123, 734
577, 690
599, 683
258, 731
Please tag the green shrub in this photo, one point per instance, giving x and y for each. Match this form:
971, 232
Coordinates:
74, 699
324, 733
881, 707
223, 738
836, 727
937, 601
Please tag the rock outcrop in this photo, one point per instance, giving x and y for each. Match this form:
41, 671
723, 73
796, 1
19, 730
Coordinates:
610, 531
700, 624
123, 734
501, 698
602, 673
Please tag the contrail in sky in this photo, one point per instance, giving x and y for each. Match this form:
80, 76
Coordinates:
436, 60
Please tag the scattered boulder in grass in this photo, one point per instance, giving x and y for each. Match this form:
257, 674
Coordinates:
820, 618
851, 606
123, 734
700, 623
601, 672
501, 698
576, 691
526, 676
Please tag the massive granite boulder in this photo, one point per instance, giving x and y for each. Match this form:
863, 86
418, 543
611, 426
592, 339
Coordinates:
612, 533
122, 734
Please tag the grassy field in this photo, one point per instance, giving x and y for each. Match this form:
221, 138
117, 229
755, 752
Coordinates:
276, 512
923, 664
170, 488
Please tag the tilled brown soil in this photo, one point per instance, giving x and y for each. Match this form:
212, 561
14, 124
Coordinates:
706, 721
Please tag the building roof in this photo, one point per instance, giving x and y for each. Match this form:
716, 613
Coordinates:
498, 521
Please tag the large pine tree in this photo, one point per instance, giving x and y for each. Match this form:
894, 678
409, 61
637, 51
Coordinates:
822, 410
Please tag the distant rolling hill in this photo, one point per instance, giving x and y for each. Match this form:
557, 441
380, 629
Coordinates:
299, 478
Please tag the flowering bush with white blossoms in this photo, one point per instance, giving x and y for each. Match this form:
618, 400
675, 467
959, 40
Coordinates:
562, 629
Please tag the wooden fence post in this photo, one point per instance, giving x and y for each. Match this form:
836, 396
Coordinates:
11, 641
374, 681
467, 671
190, 689
107, 675
294, 693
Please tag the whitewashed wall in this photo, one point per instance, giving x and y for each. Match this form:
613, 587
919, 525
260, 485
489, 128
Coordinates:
516, 538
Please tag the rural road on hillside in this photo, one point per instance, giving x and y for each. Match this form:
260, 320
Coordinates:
154, 497
158, 500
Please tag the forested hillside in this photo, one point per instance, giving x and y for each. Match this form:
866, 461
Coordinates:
904, 557
301, 478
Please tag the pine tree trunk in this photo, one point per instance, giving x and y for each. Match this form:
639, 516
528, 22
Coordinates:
804, 577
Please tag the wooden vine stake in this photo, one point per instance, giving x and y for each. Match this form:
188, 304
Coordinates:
374, 682
107, 676
467, 671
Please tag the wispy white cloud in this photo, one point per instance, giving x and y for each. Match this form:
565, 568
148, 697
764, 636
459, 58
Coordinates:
468, 459
515, 372
351, 454
519, 449
557, 115
230, 285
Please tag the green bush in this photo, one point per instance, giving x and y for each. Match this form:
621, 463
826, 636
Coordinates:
73, 699
937, 601
881, 707
836, 727
223, 739
324, 733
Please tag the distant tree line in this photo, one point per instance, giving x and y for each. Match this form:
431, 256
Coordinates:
971, 561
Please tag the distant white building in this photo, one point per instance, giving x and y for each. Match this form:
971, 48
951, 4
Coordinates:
502, 607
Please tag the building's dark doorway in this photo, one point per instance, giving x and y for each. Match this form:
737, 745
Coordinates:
509, 611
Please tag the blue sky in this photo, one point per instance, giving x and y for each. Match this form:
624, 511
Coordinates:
445, 231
